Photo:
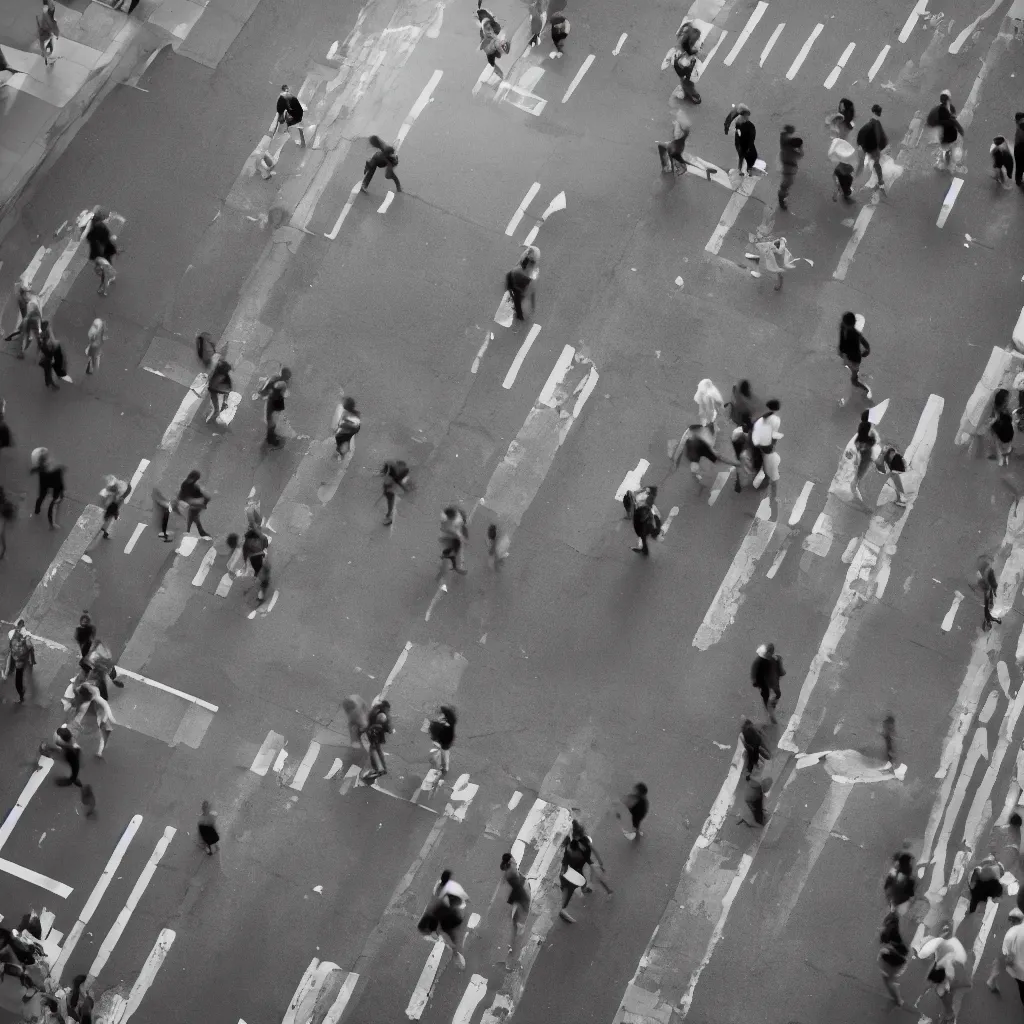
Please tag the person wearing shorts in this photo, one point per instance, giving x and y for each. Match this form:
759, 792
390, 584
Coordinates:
764, 437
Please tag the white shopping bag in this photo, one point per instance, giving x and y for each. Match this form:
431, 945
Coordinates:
506, 311
891, 172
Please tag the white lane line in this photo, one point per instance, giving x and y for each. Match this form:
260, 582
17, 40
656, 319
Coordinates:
335, 768
860, 225
748, 30
517, 363
388, 200
35, 780
801, 503
489, 337
531, 193
618, 45
349, 780
462, 794
61, 264
702, 65
701, 168
838, 69
579, 77
528, 830
558, 373
148, 974
471, 999
514, 800
774, 567
133, 900
305, 766
35, 878
33, 266
804, 51
719, 809
157, 685
947, 622
879, 60
137, 477
99, 889
267, 752
348, 986
632, 479
725, 604
278, 765
874, 554
428, 976
1001, 368
395, 669
333, 233
205, 566
1004, 678
731, 212
981, 939
947, 204
418, 107
183, 416
921, 7
308, 991
773, 39
719, 485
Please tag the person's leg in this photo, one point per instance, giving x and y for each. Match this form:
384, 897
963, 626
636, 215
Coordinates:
390, 173
165, 520
567, 891
389, 497
42, 495
1020, 988
1018, 164
55, 500
369, 170
19, 682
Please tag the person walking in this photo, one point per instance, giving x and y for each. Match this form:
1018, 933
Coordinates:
395, 474
490, 42
196, 500
864, 442
1002, 160
442, 732
576, 855
744, 134
85, 634
1011, 954
347, 423
538, 16
764, 435
638, 805
48, 32
519, 281
377, 729
559, 34
753, 799
853, 347
519, 898
900, 885
889, 738
989, 587
51, 481
945, 128
30, 317
104, 716
892, 465
289, 114
872, 141
985, 881
46, 357
766, 673
94, 348
384, 157
358, 715
696, 443
68, 748
841, 123
454, 534
218, 386
498, 544
256, 552
1018, 149
445, 914
21, 657
709, 403
88, 798
275, 390
209, 837
841, 155
671, 153
892, 955
949, 968
791, 152
1000, 426
754, 747
646, 521
102, 248
163, 507
114, 494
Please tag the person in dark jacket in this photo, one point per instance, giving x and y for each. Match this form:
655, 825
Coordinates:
195, 500
519, 281
51, 481
1018, 149
766, 672
853, 346
791, 151
872, 140
943, 119
442, 732
754, 747
289, 113
386, 157
744, 135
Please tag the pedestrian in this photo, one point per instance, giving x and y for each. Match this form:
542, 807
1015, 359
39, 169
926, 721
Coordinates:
709, 403
114, 494
764, 435
118, 5
206, 351
358, 716
696, 443
498, 544
646, 520
48, 32
1011, 954
853, 347
163, 506
684, 63
519, 898
754, 747
94, 349
256, 552
900, 885
395, 474
559, 34
218, 386
21, 657
949, 968
46, 356
597, 869
51, 481
766, 673
385, 157
454, 534
889, 738
88, 798
195, 500
1018, 149
60, 365
69, 749
347, 423
85, 633
576, 855
841, 155
671, 153
945, 130
377, 729
1002, 160
747, 456
442, 732
744, 133
892, 956
491, 43
841, 122
520, 280
753, 799
30, 317
1000, 426
207, 827
104, 716
864, 442
275, 390
985, 881
872, 141
638, 805
791, 152
444, 914
777, 258
893, 465
741, 404
289, 114
538, 15
102, 248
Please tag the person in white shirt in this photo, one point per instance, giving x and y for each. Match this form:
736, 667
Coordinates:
1011, 956
765, 434
949, 968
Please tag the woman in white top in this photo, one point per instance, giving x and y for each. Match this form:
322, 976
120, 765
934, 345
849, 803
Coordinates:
104, 716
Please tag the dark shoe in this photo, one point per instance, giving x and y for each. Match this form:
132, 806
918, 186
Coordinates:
388, 521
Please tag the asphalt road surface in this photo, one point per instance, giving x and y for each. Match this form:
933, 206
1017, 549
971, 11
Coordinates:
578, 668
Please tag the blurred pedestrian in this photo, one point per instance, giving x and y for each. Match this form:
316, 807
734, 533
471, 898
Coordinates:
114, 494
289, 114
538, 15
559, 34
347, 423
94, 348
646, 521
892, 956
444, 914
865, 442
195, 500
1018, 149
31, 317
377, 730
104, 715
576, 855
985, 881
841, 122
454, 535
889, 737
841, 155
744, 134
48, 32
358, 716
491, 43
638, 805
753, 799
47, 356
8, 512
766, 673
754, 747
696, 443
498, 544
206, 350
395, 474
163, 506
21, 657
709, 403
853, 347
900, 885
88, 798
1000, 426
218, 386
765, 434
68, 748
519, 898
85, 633
791, 152
275, 390
442, 732
51, 481
520, 280
209, 837
671, 153
102, 248
741, 404
1002, 160
1011, 954
949, 968
892, 465
384, 157
945, 129
872, 141
256, 553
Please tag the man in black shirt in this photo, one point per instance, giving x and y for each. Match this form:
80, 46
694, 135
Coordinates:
872, 140
385, 157
289, 113
853, 346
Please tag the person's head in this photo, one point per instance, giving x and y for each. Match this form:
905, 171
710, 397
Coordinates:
87, 793
945, 97
232, 541
846, 106
348, 404
507, 860
64, 733
284, 90
85, 619
110, 480
446, 876
744, 388
447, 713
492, 532
769, 650
286, 373
865, 416
450, 512
745, 723
641, 788
1016, 915
375, 141
743, 111
876, 109
97, 324
999, 140
19, 625
192, 478
890, 924
384, 705
1000, 398
849, 319
206, 807
889, 721
773, 405
23, 288
578, 831
788, 129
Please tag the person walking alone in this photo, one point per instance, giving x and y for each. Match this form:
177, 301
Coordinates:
559, 34
1011, 954
442, 732
754, 747
209, 837
21, 657
377, 730
289, 114
892, 956
347, 423
94, 348
873, 141
638, 805
791, 152
765, 435
1018, 149
218, 387
942, 120
114, 494
104, 716
519, 281
454, 534
275, 391
102, 248
646, 521
395, 474
31, 317
766, 673
51, 481
743, 135
256, 553
853, 347
48, 32
1002, 161
67, 746
85, 634
196, 500
519, 898
384, 157
490, 42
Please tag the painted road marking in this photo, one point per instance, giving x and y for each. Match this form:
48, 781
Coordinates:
157, 685
1001, 368
879, 60
837, 70
265, 756
348, 986
183, 416
921, 7
205, 566
35, 878
418, 107
702, 168
748, 29
137, 477
860, 225
631, 481
719, 809
531, 193
804, 51
719, 485
305, 766
28, 275
702, 65
513, 802
488, 338
732, 210
517, 363
425, 983
99, 889
771, 42
618, 45
147, 975
521, 95
579, 78
947, 204
388, 200
333, 233
947, 622
103, 955
800, 504
35, 780
302, 1003
186, 545
462, 794
471, 999
874, 554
